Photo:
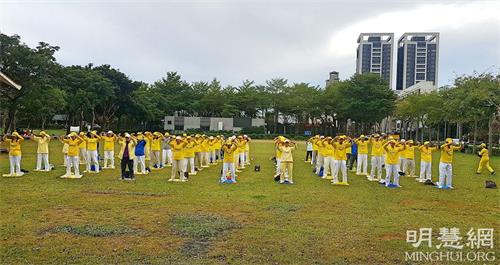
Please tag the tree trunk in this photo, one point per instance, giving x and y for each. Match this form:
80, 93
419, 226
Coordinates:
475, 135
437, 133
11, 117
490, 132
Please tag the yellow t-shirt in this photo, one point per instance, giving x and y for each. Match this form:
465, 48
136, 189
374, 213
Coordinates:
377, 149
156, 144
73, 146
229, 153
109, 143
286, 153
409, 152
484, 154
177, 150
392, 154
14, 146
362, 147
328, 150
426, 153
43, 144
341, 150
91, 144
447, 153
189, 149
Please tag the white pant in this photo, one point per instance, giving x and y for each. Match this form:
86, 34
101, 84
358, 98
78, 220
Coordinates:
177, 167
319, 162
376, 166
225, 167
362, 164
73, 161
204, 158
425, 170
83, 155
445, 172
109, 155
15, 165
247, 157
409, 167
140, 160
65, 160
92, 160
213, 158
328, 166
339, 164
155, 157
190, 160
42, 157
313, 157
242, 160
167, 157
392, 171
278, 166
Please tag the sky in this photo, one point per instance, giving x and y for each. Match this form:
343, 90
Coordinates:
301, 41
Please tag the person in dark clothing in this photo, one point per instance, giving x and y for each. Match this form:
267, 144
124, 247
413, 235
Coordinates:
126, 155
354, 155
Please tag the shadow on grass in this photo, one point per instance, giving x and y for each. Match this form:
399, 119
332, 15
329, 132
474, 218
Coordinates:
95, 230
201, 229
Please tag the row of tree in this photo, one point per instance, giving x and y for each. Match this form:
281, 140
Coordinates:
105, 96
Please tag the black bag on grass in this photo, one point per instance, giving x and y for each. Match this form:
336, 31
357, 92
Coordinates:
491, 184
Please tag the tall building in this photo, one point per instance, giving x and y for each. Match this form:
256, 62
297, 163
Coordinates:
417, 59
374, 55
334, 77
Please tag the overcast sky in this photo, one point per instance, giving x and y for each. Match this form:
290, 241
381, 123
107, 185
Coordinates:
301, 41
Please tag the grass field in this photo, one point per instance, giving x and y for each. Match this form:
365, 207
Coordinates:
101, 220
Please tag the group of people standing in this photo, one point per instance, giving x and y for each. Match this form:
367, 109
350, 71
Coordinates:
329, 155
139, 153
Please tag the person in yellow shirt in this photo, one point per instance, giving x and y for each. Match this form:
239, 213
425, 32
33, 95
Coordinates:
409, 159
156, 149
426, 161
73, 141
42, 152
189, 156
393, 150
314, 140
328, 156
14, 141
148, 137
109, 149
445, 164
197, 151
340, 143
178, 146
362, 162
212, 141
376, 158
204, 151
92, 139
218, 150
82, 150
229, 148
286, 149
485, 160
241, 142
126, 156
65, 149
320, 157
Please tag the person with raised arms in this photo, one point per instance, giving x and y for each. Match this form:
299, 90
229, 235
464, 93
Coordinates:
286, 163
126, 156
42, 152
393, 150
362, 163
156, 150
178, 146
247, 149
376, 158
328, 157
139, 155
92, 139
73, 141
229, 149
166, 151
14, 141
426, 161
340, 143
109, 149
446, 164
409, 159
188, 162
82, 150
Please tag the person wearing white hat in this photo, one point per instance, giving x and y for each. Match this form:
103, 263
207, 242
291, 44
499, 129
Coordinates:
82, 149
320, 157
392, 162
178, 157
73, 141
189, 156
15, 153
156, 149
92, 156
376, 158
362, 162
409, 159
340, 143
109, 149
247, 149
445, 164
286, 149
42, 152
229, 162
126, 156
166, 151
426, 161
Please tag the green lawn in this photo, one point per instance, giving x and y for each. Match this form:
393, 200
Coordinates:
101, 220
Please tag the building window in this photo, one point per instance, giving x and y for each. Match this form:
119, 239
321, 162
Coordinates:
420, 76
